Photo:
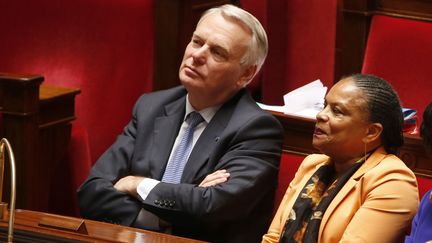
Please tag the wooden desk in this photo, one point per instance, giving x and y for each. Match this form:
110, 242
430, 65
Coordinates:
29, 228
36, 119
298, 140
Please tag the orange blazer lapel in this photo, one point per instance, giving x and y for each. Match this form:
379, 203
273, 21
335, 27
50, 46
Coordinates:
371, 162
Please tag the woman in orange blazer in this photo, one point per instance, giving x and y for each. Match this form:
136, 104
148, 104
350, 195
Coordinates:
357, 190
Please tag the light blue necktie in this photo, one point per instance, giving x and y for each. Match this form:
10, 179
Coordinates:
174, 169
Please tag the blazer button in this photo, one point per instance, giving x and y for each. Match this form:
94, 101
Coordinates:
157, 202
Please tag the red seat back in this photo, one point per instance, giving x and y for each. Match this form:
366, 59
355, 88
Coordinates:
288, 167
103, 47
400, 50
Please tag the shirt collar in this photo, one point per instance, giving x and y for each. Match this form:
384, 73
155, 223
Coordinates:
207, 113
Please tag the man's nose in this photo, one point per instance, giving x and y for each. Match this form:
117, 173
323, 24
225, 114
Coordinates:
199, 55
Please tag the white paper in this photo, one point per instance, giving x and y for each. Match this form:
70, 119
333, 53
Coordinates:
305, 101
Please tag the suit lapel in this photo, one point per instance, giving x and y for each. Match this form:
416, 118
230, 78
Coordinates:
208, 141
201, 151
371, 162
165, 132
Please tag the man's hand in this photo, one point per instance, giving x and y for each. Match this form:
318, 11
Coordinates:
215, 178
129, 185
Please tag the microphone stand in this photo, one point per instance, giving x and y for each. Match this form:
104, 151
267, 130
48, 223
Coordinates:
4, 144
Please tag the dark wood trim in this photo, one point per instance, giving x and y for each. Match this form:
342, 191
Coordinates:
31, 226
36, 119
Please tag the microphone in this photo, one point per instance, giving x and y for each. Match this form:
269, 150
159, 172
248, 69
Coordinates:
4, 144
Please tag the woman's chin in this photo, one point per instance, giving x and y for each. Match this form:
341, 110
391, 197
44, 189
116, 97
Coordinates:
318, 145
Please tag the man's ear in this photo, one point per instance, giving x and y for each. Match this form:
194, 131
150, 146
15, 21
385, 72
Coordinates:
373, 133
247, 76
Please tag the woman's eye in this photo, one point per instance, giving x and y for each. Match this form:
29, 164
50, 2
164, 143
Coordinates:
336, 111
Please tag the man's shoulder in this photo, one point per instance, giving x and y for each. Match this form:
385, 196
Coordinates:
246, 108
245, 104
163, 96
177, 91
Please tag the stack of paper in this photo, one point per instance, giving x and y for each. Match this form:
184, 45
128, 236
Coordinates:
305, 101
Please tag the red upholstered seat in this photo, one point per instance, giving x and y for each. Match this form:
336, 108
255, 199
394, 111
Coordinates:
103, 47
288, 167
400, 51
424, 185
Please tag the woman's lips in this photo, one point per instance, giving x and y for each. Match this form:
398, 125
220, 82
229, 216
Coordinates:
319, 131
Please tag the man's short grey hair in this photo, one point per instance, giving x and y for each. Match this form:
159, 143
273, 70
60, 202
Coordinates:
258, 48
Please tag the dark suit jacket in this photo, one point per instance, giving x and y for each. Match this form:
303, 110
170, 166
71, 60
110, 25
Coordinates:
240, 138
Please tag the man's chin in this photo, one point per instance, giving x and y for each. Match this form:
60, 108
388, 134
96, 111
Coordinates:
188, 81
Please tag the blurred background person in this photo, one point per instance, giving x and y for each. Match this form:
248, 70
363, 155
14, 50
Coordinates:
421, 229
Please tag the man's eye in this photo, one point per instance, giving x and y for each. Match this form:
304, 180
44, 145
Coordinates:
196, 42
219, 54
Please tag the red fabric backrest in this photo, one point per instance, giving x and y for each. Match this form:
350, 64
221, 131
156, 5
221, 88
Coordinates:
103, 47
400, 50
424, 185
288, 167
301, 41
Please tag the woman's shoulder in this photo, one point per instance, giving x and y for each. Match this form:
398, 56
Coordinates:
394, 164
388, 169
317, 158
312, 160
383, 162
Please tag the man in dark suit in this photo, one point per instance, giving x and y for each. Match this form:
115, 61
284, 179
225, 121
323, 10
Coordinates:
224, 189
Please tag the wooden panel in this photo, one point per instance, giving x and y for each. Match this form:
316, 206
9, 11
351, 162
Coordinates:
297, 133
31, 226
413, 9
37, 122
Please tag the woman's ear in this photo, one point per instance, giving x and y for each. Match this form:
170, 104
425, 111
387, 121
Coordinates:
373, 133
247, 76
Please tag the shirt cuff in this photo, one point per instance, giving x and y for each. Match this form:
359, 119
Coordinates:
145, 186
